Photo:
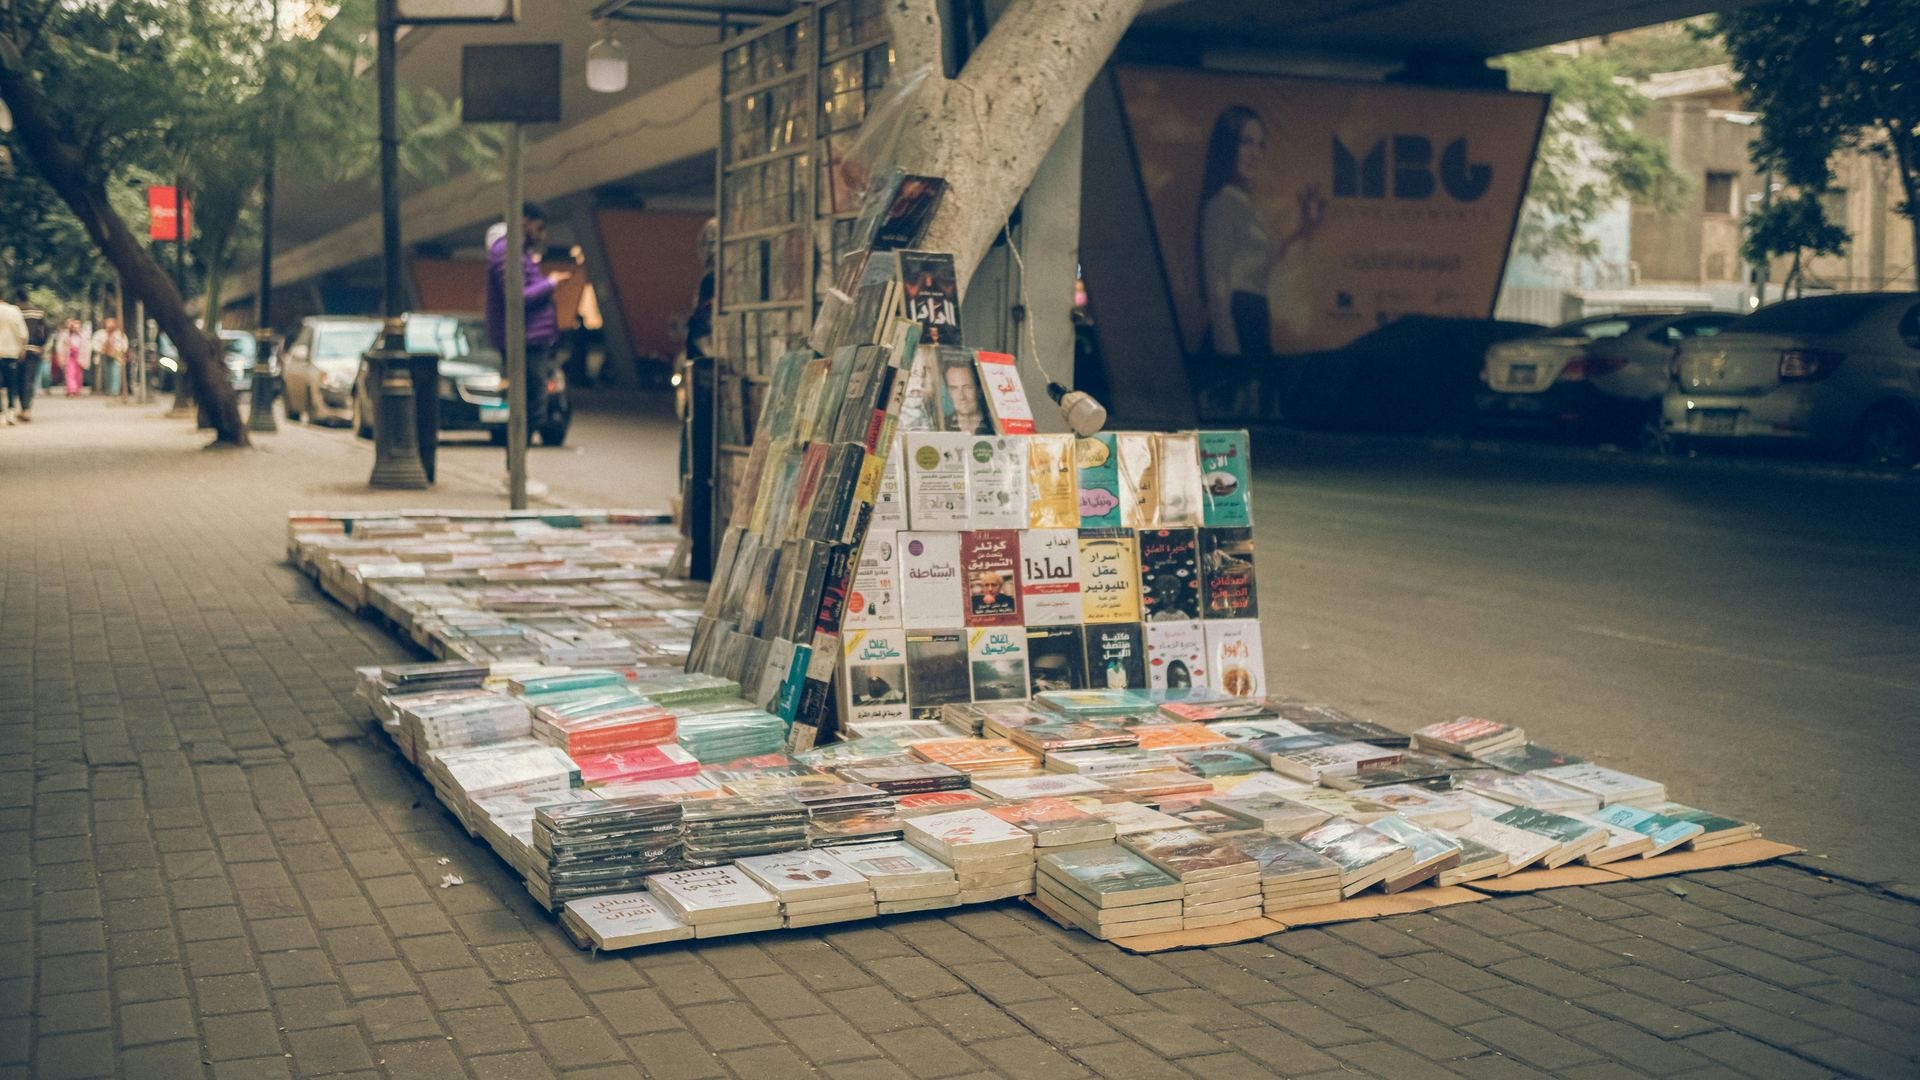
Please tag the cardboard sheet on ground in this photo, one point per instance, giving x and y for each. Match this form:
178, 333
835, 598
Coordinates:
1744, 853
1380, 905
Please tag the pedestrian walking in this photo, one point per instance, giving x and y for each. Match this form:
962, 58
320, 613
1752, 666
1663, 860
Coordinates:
13, 350
109, 353
542, 324
33, 366
74, 355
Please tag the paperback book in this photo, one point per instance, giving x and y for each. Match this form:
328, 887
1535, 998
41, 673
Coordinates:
997, 661
1053, 495
1049, 577
1176, 655
1225, 460
1006, 395
1056, 659
1097, 466
1229, 586
1116, 656
989, 560
1169, 575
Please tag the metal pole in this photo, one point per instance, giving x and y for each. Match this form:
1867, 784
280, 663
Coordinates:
396, 440
514, 294
260, 397
142, 394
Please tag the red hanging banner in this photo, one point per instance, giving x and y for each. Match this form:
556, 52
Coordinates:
165, 213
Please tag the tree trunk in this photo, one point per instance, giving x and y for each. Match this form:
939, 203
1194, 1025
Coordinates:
64, 168
987, 130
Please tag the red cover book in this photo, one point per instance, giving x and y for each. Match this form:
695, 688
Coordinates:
989, 561
1006, 395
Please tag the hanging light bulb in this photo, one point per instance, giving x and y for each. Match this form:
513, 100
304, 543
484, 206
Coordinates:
606, 64
1081, 410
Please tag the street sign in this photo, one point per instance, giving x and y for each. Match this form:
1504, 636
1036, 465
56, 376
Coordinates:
510, 84
455, 11
165, 211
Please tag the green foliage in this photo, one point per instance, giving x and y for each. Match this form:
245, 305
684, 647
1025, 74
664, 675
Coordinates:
1827, 76
154, 90
1591, 154
1674, 46
1791, 226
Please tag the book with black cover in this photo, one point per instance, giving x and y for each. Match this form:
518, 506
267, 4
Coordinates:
936, 670
1116, 656
931, 295
1056, 658
908, 211
1169, 575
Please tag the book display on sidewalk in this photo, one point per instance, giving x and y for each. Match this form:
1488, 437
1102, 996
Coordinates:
644, 804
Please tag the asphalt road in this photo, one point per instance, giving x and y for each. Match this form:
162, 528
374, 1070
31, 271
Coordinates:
1749, 636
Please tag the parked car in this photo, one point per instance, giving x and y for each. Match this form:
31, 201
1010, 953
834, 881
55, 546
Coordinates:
237, 351
1839, 372
473, 395
320, 365
1602, 376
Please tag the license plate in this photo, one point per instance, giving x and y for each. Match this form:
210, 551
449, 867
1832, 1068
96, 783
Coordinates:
1714, 421
493, 414
1521, 374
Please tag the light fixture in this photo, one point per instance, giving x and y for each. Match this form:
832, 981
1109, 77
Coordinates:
1082, 412
606, 64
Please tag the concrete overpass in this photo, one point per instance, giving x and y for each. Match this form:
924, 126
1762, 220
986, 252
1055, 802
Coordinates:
650, 149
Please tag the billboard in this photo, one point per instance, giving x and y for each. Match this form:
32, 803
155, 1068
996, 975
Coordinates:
1294, 215
168, 216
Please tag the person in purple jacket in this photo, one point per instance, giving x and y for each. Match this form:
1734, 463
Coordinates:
543, 327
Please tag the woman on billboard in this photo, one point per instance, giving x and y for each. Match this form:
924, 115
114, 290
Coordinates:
1235, 252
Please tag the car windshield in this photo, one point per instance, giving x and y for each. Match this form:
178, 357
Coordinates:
1812, 315
342, 342
452, 338
1605, 327
238, 346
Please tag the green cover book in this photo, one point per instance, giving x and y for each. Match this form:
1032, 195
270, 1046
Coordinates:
1225, 457
1099, 474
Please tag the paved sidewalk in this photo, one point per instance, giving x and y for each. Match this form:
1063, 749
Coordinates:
209, 866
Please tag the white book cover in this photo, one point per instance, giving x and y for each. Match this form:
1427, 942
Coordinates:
624, 920
890, 503
1233, 650
713, 894
805, 875
966, 834
773, 674
936, 470
1035, 787
1274, 784
1131, 818
895, 864
1610, 785
1176, 655
874, 597
1050, 577
1180, 478
932, 592
1006, 395
874, 683
1521, 847
997, 481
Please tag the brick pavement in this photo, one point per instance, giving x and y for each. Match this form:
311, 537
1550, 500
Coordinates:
209, 867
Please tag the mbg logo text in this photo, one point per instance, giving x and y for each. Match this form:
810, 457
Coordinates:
1413, 172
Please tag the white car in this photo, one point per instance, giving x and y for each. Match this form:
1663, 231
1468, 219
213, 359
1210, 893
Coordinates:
320, 366
1600, 377
1838, 372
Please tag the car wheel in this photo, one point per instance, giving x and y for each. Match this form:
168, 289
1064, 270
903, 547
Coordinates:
286, 403
1888, 438
497, 436
1652, 437
362, 424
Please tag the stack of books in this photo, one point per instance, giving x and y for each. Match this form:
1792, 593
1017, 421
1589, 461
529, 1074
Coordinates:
1154, 786
1528, 757
635, 765
1366, 858
1469, 737
603, 846
1716, 831
813, 887
1109, 892
623, 921
432, 676
1610, 786
1528, 789
1408, 768
1434, 852
1477, 861
1663, 833
1292, 875
1057, 785
848, 814
1130, 818
719, 831
462, 775
912, 779
727, 734
1055, 824
1572, 837
992, 858
1057, 735
1097, 763
1217, 762
447, 718
1277, 814
1220, 882
1176, 736
1520, 848
979, 757
716, 901
619, 720
903, 877
1425, 807
1314, 763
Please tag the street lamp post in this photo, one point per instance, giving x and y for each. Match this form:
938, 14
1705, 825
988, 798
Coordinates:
264, 385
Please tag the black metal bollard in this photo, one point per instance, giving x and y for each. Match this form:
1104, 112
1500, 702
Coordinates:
396, 437
264, 385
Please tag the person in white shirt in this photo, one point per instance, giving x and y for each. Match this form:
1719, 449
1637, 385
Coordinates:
110, 349
13, 349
